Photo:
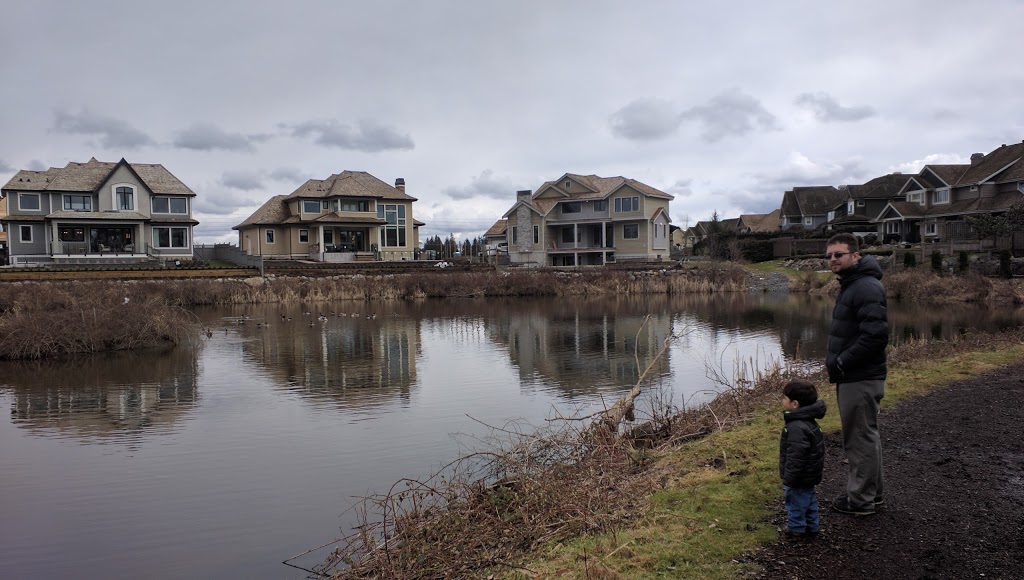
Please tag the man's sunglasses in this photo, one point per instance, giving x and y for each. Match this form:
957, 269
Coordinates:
837, 255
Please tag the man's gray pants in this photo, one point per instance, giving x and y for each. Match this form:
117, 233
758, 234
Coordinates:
858, 412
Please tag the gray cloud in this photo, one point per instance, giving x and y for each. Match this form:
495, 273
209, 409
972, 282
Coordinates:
799, 170
730, 114
827, 109
223, 202
5, 167
484, 185
206, 137
753, 202
37, 165
111, 133
288, 174
368, 135
645, 119
681, 188
243, 179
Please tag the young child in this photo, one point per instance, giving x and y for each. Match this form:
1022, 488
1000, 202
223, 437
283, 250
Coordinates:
801, 457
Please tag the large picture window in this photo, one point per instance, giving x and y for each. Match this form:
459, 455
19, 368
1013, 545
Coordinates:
124, 198
392, 234
572, 207
164, 237
170, 205
311, 206
355, 205
630, 231
78, 202
627, 204
28, 201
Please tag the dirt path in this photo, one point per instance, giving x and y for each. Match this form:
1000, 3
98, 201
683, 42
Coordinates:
954, 469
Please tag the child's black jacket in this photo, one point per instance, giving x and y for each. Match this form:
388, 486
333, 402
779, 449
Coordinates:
802, 447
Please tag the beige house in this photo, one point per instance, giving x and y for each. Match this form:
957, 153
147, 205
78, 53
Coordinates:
580, 220
98, 212
349, 216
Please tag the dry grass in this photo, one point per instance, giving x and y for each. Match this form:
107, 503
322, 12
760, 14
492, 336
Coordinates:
39, 320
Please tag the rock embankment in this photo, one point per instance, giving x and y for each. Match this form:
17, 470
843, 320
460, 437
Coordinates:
771, 282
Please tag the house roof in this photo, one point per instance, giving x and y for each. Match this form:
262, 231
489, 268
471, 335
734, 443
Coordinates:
997, 203
498, 229
91, 175
99, 215
274, 211
950, 174
349, 184
813, 200
902, 209
1005, 163
333, 217
882, 187
760, 222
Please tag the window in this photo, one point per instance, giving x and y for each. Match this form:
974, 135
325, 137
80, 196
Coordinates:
25, 234
929, 229
601, 205
808, 221
303, 236
28, 201
1020, 186
270, 236
627, 204
536, 234
392, 234
942, 195
355, 205
914, 196
568, 184
311, 206
849, 206
860, 203
71, 234
336, 205
630, 231
328, 237
892, 227
572, 207
170, 205
326, 205
77, 203
171, 237
974, 188
124, 198
515, 235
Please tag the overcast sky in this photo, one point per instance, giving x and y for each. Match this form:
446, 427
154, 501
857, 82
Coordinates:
723, 106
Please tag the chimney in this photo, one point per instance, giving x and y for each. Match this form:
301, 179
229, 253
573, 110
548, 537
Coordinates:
400, 184
976, 157
523, 195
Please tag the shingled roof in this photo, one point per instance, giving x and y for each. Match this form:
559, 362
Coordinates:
91, 175
349, 184
1003, 164
882, 187
498, 229
273, 212
813, 200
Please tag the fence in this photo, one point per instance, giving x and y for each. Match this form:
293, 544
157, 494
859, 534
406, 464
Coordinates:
227, 253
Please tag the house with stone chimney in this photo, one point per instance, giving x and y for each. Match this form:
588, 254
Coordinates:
939, 198
348, 216
587, 220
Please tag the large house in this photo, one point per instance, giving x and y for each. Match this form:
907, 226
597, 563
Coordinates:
864, 202
588, 220
98, 212
939, 197
349, 216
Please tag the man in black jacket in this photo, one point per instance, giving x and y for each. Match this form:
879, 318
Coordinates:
856, 364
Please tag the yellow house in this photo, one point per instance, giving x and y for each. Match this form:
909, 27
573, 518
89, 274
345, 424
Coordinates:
351, 215
580, 220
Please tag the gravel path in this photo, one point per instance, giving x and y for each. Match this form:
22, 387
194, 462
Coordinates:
954, 468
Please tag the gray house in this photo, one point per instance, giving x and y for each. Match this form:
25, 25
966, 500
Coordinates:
808, 207
98, 212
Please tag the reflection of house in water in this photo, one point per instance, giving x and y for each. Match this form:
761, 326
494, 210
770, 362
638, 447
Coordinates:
356, 362
593, 347
104, 395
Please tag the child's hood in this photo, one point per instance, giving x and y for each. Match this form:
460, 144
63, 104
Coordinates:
815, 410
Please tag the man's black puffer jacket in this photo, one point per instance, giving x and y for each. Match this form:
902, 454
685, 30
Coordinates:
802, 447
860, 326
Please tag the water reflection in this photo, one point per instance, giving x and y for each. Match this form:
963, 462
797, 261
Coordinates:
108, 396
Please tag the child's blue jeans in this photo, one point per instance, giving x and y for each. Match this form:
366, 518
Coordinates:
801, 509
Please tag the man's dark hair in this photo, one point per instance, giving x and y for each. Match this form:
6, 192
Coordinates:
803, 392
845, 238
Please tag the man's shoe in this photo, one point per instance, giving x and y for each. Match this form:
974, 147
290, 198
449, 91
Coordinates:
879, 502
842, 505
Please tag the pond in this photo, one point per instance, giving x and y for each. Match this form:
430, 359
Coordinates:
224, 457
